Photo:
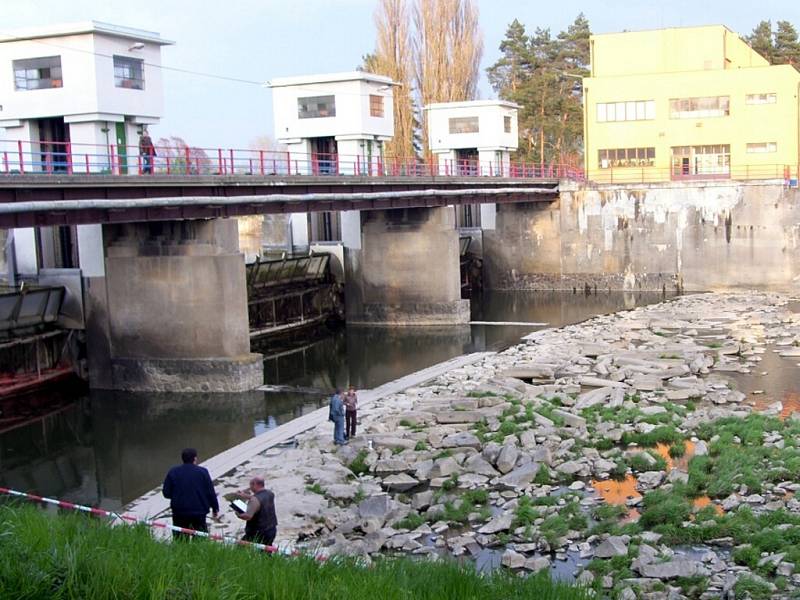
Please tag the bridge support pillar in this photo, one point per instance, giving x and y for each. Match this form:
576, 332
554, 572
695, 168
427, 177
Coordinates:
402, 267
167, 309
522, 247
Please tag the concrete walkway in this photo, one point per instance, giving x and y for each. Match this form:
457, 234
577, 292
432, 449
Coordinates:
153, 503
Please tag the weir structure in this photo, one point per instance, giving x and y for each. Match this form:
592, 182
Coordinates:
162, 283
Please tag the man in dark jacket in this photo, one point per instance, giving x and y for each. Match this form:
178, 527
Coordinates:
191, 494
262, 524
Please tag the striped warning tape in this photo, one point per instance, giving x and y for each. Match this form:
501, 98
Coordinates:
150, 523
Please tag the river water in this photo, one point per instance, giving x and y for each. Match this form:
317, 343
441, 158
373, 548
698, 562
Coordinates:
107, 448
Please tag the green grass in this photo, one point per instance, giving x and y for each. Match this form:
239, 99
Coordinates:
665, 434
639, 463
747, 587
543, 476
358, 465
420, 446
316, 488
71, 557
474, 394
677, 450
410, 521
450, 483
661, 507
473, 501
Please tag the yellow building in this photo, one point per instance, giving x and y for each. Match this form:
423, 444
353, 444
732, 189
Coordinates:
688, 103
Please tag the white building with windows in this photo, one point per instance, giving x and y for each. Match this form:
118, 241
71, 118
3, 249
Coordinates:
75, 96
473, 137
333, 123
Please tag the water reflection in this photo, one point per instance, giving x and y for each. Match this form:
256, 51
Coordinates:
107, 448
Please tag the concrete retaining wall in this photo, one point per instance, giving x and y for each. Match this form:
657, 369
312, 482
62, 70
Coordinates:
698, 236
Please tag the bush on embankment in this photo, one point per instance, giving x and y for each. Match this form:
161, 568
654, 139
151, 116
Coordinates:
72, 556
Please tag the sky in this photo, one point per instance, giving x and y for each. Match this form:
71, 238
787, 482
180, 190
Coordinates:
258, 40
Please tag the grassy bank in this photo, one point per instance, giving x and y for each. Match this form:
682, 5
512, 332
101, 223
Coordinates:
71, 556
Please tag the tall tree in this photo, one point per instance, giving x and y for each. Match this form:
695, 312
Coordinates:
787, 47
543, 74
447, 45
761, 40
516, 63
392, 57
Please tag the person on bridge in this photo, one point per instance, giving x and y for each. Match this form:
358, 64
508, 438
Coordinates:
147, 151
262, 524
336, 414
191, 493
351, 413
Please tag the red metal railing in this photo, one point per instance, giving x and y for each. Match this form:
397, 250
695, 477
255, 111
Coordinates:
66, 158
621, 175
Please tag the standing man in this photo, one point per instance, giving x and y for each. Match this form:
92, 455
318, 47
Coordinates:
336, 414
191, 494
147, 151
351, 413
262, 524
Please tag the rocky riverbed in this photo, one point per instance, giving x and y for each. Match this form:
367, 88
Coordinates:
618, 452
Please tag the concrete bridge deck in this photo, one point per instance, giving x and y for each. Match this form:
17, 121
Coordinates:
52, 199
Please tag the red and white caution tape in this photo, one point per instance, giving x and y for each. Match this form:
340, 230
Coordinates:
149, 523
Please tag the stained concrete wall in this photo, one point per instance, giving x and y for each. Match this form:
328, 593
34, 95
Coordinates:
405, 270
698, 236
171, 312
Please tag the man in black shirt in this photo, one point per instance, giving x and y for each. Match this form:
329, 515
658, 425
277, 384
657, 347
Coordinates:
262, 524
191, 494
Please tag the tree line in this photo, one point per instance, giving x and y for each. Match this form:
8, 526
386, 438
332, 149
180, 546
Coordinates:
433, 49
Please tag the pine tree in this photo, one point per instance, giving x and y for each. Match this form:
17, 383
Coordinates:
543, 74
761, 41
787, 47
515, 65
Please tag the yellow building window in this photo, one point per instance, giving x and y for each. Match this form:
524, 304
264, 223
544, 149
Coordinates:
761, 98
762, 147
375, 106
701, 161
635, 110
698, 108
626, 157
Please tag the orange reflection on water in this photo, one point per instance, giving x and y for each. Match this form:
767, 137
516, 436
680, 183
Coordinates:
704, 501
619, 492
790, 401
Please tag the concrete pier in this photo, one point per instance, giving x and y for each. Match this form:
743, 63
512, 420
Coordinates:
167, 308
402, 267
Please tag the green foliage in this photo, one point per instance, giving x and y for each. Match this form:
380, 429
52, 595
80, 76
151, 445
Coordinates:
450, 483
677, 450
525, 513
746, 555
692, 586
543, 476
358, 465
666, 434
411, 521
444, 454
748, 587
662, 507
638, 462
779, 46
315, 489
420, 446
477, 394
67, 557
539, 72
604, 444
470, 502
